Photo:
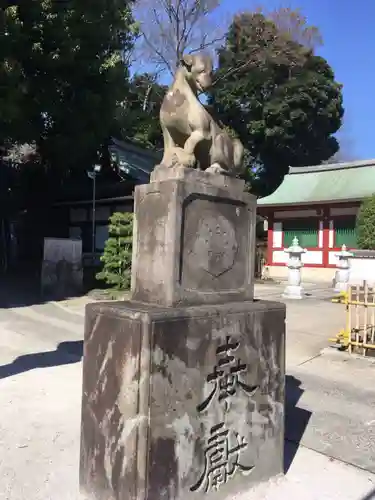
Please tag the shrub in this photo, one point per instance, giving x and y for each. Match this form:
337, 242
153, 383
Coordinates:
366, 225
117, 256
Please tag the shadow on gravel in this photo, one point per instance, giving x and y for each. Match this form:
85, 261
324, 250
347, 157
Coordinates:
66, 353
296, 420
24, 289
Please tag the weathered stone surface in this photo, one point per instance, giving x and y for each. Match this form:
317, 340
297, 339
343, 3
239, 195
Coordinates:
194, 239
181, 402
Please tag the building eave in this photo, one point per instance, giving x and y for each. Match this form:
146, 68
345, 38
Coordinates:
335, 183
328, 167
99, 201
311, 203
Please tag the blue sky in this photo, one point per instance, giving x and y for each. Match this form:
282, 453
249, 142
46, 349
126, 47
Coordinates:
347, 28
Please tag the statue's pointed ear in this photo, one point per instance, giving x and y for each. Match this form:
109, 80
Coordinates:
187, 60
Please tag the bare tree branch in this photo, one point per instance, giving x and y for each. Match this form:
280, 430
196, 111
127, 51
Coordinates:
170, 28
293, 24
276, 36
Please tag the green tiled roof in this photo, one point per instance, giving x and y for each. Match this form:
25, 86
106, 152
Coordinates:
324, 183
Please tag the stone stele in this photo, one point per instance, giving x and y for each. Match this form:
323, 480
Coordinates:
183, 386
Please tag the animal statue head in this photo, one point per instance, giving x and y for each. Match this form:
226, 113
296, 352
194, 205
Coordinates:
197, 69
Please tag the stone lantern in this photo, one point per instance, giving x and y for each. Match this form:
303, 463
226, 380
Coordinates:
343, 270
294, 289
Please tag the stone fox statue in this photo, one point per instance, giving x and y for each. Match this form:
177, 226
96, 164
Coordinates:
191, 136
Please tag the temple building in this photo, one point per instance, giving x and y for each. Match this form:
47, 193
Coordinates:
70, 215
318, 205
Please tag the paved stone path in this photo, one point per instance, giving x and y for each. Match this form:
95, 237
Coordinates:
330, 404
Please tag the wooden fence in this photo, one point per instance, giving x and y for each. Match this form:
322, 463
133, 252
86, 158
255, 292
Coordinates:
359, 333
361, 318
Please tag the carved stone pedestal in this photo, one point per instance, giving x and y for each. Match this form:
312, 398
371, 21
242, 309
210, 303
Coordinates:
194, 239
180, 402
183, 387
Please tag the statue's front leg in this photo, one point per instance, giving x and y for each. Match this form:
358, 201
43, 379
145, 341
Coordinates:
185, 156
195, 138
181, 157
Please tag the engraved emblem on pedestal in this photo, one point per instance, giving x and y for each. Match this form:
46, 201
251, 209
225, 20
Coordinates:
216, 245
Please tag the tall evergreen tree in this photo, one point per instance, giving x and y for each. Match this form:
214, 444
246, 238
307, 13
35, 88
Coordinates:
63, 71
278, 96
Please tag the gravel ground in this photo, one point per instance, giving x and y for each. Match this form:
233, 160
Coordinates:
331, 405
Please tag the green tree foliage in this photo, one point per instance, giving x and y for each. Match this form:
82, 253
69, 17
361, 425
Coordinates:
63, 71
117, 256
366, 225
138, 115
280, 99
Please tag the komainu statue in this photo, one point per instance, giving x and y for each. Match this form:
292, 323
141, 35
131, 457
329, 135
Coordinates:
191, 136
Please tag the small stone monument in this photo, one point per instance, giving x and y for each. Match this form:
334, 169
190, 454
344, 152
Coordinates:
183, 386
294, 289
343, 270
62, 274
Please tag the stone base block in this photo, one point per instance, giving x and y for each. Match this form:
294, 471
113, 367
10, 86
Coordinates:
341, 280
341, 287
193, 239
293, 292
181, 403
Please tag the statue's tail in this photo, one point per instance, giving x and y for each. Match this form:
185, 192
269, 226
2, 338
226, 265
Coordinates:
238, 154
